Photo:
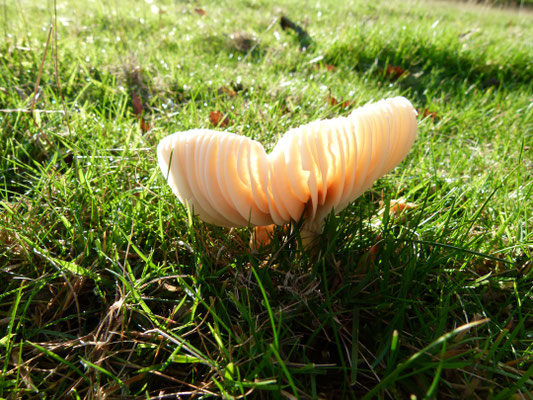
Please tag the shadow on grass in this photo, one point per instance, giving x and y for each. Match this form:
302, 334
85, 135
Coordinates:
437, 69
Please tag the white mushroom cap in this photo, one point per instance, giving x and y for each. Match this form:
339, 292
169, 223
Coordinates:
229, 180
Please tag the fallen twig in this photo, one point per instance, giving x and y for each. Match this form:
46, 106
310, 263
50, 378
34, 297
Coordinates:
303, 37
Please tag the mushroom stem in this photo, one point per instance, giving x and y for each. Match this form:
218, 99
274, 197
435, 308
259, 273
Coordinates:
308, 238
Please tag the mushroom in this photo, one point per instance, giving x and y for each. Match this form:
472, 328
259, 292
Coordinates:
229, 180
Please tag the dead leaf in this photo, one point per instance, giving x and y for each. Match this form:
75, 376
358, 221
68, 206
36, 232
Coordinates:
137, 105
261, 236
145, 127
328, 67
394, 71
347, 104
138, 110
227, 91
199, 11
218, 119
172, 288
343, 103
396, 207
426, 113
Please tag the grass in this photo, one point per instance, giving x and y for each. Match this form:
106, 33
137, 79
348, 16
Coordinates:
111, 289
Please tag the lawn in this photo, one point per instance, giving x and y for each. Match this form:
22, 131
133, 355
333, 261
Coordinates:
110, 288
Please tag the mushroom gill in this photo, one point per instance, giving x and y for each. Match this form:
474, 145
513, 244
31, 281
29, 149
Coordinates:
229, 180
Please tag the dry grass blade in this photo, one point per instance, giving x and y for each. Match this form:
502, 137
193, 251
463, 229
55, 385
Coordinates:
56, 68
41, 70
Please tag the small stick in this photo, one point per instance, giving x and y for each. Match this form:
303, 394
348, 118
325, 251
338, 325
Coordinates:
303, 36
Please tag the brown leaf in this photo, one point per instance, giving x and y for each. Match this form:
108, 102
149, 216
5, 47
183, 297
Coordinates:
261, 236
218, 119
396, 207
426, 113
145, 127
347, 103
394, 71
227, 91
199, 11
328, 67
137, 105
138, 111
343, 103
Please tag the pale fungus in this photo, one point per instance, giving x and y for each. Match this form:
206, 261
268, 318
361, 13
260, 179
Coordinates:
229, 180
